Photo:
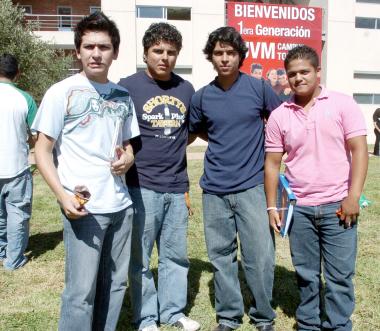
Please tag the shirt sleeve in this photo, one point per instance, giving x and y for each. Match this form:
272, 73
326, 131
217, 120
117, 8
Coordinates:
353, 120
274, 140
131, 126
50, 115
196, 119
271, 99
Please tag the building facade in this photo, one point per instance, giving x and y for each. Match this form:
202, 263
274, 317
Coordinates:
350, 47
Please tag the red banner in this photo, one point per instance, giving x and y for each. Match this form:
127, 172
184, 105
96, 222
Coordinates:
270, 31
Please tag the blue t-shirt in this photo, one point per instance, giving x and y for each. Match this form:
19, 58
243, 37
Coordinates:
233, 120
160, 150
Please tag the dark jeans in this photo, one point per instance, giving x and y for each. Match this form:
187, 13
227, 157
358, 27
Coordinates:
319, 243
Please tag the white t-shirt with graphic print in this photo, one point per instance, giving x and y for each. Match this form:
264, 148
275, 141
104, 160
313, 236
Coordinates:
81, 115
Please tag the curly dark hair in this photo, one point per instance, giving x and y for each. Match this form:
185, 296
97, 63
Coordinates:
97, 21
162, 31
8, 66
302, 52
227, 35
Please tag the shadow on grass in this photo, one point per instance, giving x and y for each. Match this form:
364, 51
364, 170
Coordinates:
197, 267
40, 243
285, 292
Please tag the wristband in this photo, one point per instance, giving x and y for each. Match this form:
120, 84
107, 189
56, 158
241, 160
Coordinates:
271, 208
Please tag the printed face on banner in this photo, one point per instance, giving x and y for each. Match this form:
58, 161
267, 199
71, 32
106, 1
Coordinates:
270, 31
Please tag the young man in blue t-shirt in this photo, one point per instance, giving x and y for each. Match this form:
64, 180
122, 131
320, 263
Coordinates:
230, 112
158, 183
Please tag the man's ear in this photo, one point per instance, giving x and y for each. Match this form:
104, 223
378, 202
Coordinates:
319, 72
115, 54
144, 57
77, 54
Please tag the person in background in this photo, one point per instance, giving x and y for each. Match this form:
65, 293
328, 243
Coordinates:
376, 124
17, 112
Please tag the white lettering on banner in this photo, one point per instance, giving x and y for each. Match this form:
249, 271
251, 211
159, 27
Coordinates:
267, 51
275, 12
286, 47
298, 32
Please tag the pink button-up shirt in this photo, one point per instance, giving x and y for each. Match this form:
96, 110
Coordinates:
318, 161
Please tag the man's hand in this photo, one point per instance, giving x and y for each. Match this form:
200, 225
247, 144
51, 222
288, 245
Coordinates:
274, 220
125, 161
71, 207
349, 211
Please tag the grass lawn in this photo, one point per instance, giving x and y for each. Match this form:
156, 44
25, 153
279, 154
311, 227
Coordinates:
30, 297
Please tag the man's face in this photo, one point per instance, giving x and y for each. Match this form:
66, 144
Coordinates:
160, 59
303, 78
257, 73
225, 60
96, 53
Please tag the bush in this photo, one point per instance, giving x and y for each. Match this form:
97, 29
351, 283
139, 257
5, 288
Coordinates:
41, 65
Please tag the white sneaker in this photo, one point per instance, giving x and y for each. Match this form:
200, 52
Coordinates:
152, 327
187, 324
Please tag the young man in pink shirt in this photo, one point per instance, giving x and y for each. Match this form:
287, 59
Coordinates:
324, 136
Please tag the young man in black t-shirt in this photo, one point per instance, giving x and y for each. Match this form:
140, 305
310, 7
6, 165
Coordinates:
158, 183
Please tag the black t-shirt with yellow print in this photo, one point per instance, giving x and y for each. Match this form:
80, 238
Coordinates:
160, 150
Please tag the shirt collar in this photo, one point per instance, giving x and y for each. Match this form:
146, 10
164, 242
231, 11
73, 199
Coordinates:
323, 95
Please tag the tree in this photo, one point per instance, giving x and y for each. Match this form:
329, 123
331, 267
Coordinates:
41, 65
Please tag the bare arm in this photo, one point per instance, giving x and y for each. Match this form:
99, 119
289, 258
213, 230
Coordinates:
271, 172
359, 164
44, 159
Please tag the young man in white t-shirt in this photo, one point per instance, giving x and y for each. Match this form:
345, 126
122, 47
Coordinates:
89, 120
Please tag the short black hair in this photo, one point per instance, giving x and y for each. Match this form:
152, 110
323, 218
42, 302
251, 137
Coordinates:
8, 66
255, 66
97, 21
281, 72
302, 52
227, 35
162, 31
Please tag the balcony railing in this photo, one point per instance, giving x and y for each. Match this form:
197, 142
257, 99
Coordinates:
42, 22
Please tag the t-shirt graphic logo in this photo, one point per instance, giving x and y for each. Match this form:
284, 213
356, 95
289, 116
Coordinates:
168, 128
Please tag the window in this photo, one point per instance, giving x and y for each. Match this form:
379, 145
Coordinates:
94, 9
365, 23
150, 12
27, 9
64, 21
169, 13
367, 98
181, 14
369, 1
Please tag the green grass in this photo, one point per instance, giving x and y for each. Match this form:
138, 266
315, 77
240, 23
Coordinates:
30, 297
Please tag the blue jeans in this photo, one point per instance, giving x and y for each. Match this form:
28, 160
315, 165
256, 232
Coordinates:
97, 249
160, 218
319, 243
243, 214
15, 210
